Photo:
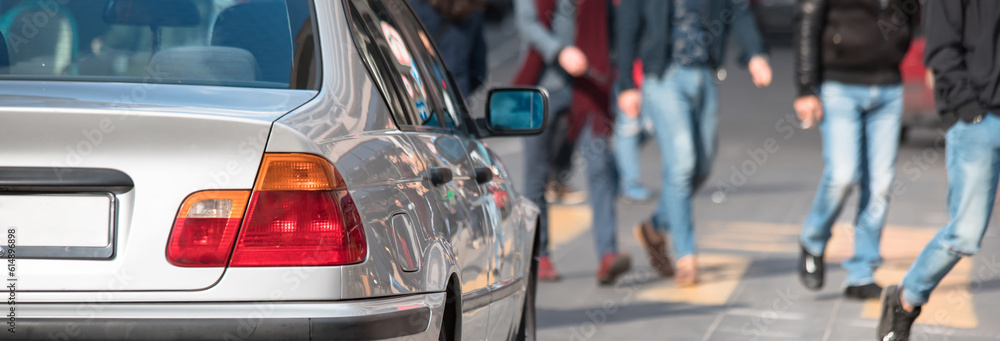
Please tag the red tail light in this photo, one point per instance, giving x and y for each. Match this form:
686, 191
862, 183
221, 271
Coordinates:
300, 214
205, 228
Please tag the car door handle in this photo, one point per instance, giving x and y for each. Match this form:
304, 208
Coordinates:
484, 175
439, 175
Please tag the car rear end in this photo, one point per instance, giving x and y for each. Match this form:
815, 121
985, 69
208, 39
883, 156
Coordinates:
137, 190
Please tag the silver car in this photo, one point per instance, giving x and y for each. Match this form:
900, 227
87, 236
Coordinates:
253, 169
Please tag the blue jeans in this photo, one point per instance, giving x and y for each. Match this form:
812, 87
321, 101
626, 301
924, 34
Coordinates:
973, 162
602, 177
860, 129
630, 134
683, 105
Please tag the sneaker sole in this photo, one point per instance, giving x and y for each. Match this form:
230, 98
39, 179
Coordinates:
860, 297
802, 277
883, 324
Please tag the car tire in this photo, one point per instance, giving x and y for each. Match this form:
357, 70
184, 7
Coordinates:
451, 319
526, 330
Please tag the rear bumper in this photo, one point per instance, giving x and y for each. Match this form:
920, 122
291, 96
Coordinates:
410, 317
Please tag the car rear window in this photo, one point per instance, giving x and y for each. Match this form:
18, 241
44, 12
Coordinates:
245, 43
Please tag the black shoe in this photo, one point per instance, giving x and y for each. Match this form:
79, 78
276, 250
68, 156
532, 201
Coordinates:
811, 270
895, 323
863, 292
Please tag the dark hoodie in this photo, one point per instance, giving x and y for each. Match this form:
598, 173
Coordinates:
962, 43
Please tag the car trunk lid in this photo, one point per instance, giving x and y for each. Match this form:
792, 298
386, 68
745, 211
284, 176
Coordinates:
92, 175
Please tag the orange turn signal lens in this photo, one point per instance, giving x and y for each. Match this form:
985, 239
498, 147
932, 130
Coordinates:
297, 172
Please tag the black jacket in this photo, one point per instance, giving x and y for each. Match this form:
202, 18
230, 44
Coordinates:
651, 22
852, 41
962, 38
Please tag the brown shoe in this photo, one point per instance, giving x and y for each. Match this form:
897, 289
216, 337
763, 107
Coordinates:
655, 245
687, 271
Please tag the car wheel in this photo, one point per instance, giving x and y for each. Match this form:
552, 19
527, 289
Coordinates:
526, 330
449, 331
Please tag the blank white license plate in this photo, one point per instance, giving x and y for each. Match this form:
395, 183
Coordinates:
58, 220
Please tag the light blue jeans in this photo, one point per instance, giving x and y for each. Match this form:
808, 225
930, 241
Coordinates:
630, 134
860, 129
683, 105
973, 162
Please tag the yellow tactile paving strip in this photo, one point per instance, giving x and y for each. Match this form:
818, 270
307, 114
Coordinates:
951, 305
748, 236
718, 277
566, 223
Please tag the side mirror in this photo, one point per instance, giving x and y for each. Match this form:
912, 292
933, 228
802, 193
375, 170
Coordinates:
517, 111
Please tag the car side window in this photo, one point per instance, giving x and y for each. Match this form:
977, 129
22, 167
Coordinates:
392, 59
447, 97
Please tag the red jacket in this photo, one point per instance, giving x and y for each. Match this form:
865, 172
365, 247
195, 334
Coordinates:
591, 93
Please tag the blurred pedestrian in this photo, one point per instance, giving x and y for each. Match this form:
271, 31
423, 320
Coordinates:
684, 44
847, 73
456, 26
570, 57
559, 189
632, 131
962, 42
457, 29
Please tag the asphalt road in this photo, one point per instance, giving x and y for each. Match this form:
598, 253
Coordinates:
747, 239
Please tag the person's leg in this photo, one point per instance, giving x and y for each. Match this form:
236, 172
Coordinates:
561, 152
973, 161
881, 126
537, 170
562, 149
841, 131
707, 120
602, 182
628, 132
668, 100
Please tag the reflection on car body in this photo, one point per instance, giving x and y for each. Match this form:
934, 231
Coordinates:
270, 169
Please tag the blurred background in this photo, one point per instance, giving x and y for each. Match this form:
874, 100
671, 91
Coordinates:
748, 218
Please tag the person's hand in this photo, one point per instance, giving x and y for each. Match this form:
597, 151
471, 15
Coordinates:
573, 61
809, 109
761, 71
630, 102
